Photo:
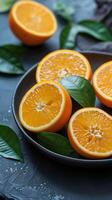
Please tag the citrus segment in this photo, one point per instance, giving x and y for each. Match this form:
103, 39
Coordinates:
102, 82
46, 106
90, 133
61, 63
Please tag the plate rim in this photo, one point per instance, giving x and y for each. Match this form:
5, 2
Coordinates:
42, 148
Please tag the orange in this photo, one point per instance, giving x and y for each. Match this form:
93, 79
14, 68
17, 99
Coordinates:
46, 106
32, 22
90, 133
102, 82
61, 63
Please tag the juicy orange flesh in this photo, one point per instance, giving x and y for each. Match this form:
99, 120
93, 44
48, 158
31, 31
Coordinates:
104, 80
93, 131
34, 17
61, 65
42, 105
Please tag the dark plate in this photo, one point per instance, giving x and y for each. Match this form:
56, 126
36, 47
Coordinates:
27, 81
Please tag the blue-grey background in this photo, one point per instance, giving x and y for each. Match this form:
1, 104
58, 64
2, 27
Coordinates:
40, 178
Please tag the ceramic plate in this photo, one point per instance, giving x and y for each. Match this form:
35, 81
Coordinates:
27, 81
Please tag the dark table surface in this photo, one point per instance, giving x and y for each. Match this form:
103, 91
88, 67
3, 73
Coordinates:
40, 178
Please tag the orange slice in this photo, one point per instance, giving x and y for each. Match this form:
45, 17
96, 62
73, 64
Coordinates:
90, 133
32, 22
61, 63
46, 106
102, 82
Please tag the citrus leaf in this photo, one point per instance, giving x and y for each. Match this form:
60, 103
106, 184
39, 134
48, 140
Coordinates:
80, 90
93, 28
55, 142
64, 10
68, 36
10, 59
97, 30
5, 5
16, 50
9, 144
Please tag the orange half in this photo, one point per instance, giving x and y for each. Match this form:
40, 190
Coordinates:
46, 106
32, 22
62, 63
102, 82
90, 133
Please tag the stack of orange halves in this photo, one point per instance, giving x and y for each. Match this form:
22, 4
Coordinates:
47, 106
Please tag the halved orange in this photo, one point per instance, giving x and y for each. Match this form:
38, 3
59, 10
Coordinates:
46, 106
32, 22
61, 63
90, 133
102, 83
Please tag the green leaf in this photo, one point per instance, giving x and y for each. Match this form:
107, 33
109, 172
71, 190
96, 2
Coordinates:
80, 90
9, 144
68, 36
5, 5
10, 59
64, 10
16, 50
97, 30
93, 28
55, 142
